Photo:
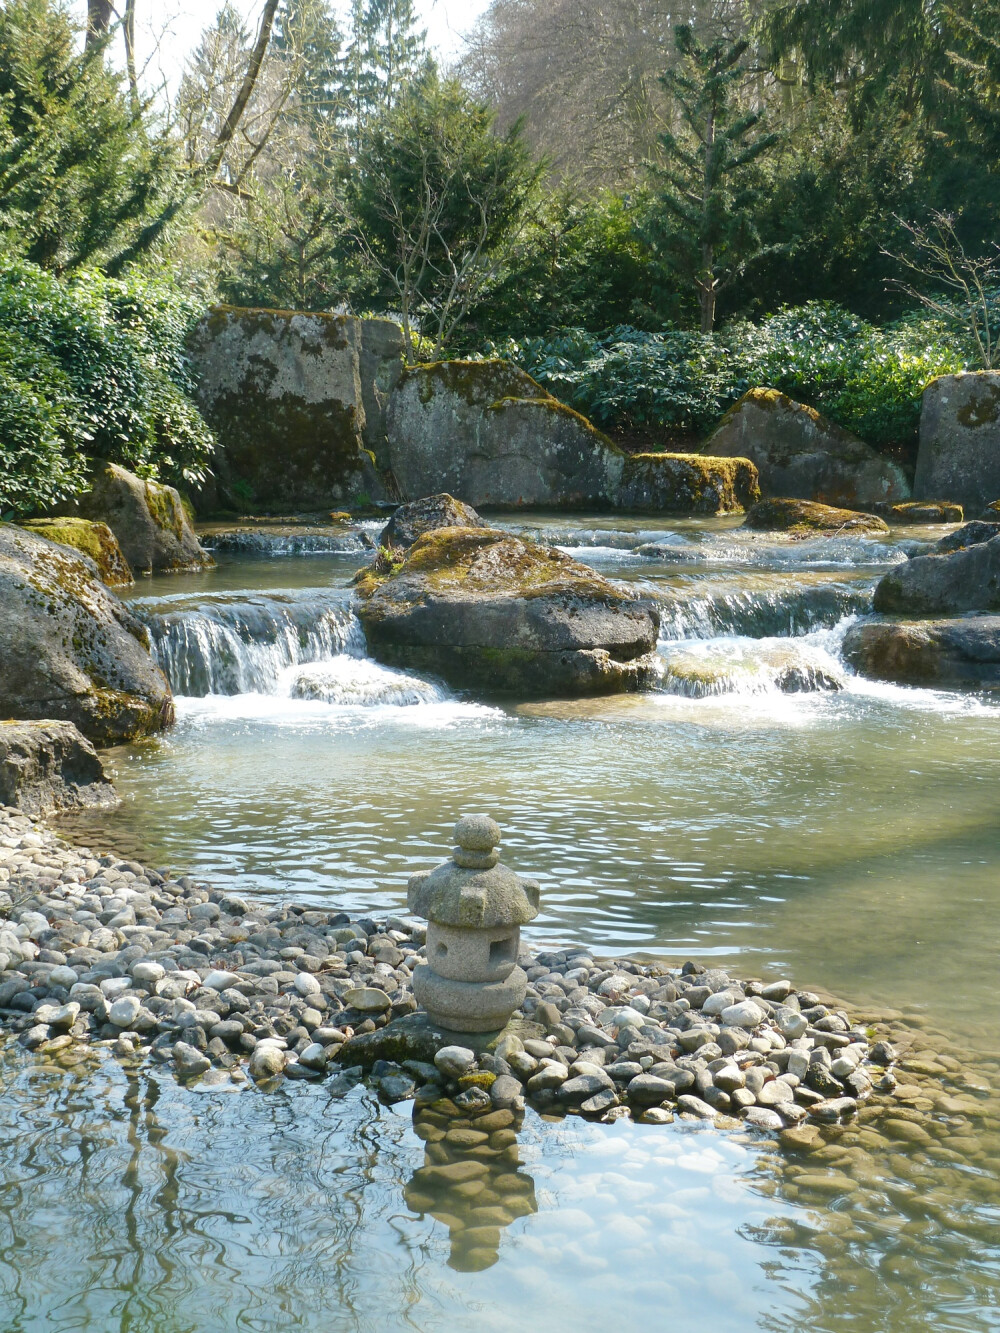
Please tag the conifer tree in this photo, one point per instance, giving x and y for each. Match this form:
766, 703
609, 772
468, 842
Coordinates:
701, 227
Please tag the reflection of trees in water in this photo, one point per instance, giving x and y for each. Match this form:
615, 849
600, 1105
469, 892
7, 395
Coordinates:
470, 1179
130, 1201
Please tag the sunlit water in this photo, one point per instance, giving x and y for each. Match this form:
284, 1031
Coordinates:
846, 837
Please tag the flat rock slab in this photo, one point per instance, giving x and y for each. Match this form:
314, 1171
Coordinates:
948, 653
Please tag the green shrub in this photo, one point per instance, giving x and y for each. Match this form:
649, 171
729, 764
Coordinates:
866, 379
92, 368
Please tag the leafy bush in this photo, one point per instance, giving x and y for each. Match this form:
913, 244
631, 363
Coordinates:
92, 368
868, 380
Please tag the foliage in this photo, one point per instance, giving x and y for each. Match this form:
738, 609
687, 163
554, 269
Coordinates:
436, 202
578, 261
79, 173
93, 368
959, 288
702, 226
868, 380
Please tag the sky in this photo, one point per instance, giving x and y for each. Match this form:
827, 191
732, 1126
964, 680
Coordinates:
168, 30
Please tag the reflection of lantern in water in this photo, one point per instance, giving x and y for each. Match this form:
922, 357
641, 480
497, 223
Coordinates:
470, 1179
475, 909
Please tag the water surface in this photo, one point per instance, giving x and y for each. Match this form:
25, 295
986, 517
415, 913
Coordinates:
845, 838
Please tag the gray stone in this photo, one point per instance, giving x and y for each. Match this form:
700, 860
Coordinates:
548, 1078
124, 1011
743, 1015
485, 610
578, 1089
266, 1060
801, 454
59, 1017
506, 1093
220, 980
70, 650
648, 1090
695, 1106
454, 1061
189, 1061
959, 453
314, 1056
763, 1118
412, 520
49, 766
366, 999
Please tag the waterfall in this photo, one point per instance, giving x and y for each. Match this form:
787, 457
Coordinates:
244, 646
254, 543
758, 612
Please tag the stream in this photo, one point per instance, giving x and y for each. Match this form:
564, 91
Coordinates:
765, 810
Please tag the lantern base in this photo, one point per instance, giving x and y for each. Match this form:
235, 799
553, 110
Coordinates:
469, 1006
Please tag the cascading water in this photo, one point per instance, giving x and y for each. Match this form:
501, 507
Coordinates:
244, 646
759, 610
302, 648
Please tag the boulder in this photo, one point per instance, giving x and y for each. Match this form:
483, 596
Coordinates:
48, 766
945, 584
803, 518
69, 649
959, 452
687, 484
489, 434
487, 611
937, 653
991, 514
924, 511
969, 534
93, 539
799, 453
412, 520
283, 392
147, 518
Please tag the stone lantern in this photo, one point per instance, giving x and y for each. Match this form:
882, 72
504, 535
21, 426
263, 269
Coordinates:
475, 909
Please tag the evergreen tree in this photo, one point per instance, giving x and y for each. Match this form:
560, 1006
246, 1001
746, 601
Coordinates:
385, 51
702, 225
79, 173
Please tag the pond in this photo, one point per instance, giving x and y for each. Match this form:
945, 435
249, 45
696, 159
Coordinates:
845, 837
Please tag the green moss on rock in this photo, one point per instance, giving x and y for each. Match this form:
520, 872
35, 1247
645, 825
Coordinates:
95, 540
805, 518
667, 483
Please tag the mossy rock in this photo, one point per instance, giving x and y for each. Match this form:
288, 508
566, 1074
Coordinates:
283, 393
803, 518
148, 519
70, 650
489, 612
926, 511
489, 434
687, 484
95, 540
959, 453
799, 453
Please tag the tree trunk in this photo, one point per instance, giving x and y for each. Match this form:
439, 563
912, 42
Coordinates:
98, 20
706, 300
128, 31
